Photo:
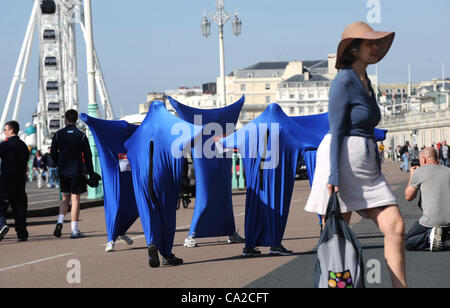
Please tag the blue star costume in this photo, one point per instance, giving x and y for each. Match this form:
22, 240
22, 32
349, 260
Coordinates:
269, 145
213, 213
120, 205
155, 154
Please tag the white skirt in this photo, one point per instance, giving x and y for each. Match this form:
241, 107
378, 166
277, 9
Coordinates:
361, 184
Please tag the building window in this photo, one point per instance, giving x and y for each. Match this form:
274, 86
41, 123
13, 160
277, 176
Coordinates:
243, 87
302, 110
268, 99
311, 95
267, 86
291, 96
291, 110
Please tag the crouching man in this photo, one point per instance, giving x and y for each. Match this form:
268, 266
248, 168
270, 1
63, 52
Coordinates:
432, 231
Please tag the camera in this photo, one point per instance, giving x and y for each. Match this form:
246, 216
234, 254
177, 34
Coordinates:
415, 162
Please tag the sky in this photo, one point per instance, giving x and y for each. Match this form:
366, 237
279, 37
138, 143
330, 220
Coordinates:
149, 45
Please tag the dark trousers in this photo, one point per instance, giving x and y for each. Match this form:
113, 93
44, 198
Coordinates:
19, 206
418, 238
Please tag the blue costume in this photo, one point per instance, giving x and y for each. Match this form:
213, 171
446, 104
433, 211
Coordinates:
120, 205
155, 154
213, 213
269, 145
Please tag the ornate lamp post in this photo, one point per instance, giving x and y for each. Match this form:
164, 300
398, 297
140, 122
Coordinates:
220, 17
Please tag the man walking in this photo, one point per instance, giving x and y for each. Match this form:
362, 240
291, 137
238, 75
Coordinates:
404, 152
71, 152
14, 156
443, 154
51, 167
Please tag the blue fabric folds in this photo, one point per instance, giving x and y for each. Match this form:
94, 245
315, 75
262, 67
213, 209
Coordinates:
269, 146
120, 205
155, 152
213, 212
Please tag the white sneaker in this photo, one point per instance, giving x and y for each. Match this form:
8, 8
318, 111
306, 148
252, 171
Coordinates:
436, 243
126, 239
235, 238
109, 247
190, 242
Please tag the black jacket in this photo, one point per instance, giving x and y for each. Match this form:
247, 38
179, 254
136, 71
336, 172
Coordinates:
71, 152
441, 152
14, 155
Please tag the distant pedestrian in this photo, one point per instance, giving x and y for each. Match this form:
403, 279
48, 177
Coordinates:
69, 147
348, 159
14, 157
381, 149
432, 231
390, 157
416, 152
51, 167
444, 154
39, 168
398, 157
404, 152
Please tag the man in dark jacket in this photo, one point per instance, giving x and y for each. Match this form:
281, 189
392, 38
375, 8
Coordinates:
444, 154
14, 156
51, 167
71, 152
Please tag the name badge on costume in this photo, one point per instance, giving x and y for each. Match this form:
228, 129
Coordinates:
124, 163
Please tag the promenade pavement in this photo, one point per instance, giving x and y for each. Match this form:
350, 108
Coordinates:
45, 261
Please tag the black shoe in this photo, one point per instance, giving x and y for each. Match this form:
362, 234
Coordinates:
23, 239
3, 232
153, 257
58, 229
172, 260
250, 252
280, 251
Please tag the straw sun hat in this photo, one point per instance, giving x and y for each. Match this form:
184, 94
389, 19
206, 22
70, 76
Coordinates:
361, 30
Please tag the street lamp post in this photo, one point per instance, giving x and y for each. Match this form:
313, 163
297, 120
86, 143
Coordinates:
220, 17
93, 193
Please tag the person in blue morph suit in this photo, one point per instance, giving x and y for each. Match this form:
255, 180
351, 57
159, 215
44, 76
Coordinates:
347, 159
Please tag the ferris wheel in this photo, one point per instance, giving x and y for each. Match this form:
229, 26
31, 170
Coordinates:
54, 21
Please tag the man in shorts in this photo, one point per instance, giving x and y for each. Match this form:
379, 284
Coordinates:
432, 231
71, 152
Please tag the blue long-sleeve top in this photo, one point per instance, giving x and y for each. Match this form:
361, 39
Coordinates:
352, 112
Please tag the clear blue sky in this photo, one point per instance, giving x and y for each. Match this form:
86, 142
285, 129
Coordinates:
149, 45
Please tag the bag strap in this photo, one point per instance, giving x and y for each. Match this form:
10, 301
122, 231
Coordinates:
333, 209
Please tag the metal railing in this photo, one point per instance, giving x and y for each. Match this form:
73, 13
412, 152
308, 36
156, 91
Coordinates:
416, 120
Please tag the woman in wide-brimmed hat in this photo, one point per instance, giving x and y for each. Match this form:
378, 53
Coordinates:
348, 161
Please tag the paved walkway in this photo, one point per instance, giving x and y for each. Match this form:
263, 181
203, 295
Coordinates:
45, 261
